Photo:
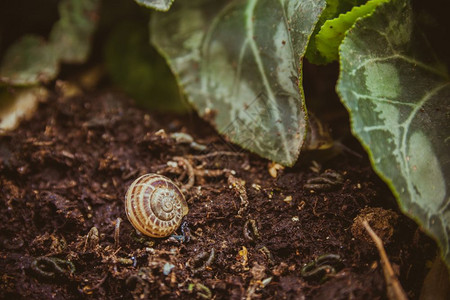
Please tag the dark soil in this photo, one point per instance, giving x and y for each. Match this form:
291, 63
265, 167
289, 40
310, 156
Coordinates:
67, 170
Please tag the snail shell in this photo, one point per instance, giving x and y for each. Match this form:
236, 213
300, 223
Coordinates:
155, 205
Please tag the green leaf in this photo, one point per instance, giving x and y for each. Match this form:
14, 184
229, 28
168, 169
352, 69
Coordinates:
239, 63
161, 5
333, 9
28, 61
398, 96
332, 32
32, 59
72, 33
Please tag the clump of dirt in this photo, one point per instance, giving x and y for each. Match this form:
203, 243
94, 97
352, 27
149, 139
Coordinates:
64, 233
382, 221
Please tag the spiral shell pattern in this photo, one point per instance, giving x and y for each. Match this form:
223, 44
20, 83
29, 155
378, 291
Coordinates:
155, 205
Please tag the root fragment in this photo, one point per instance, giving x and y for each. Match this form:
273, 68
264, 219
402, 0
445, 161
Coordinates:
239, 186
190, 171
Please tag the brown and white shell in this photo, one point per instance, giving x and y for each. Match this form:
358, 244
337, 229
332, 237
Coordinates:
154, 205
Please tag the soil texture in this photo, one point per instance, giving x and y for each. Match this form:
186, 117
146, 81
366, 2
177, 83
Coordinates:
253, 231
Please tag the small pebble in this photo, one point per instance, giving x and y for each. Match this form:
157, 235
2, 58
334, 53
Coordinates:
167, 268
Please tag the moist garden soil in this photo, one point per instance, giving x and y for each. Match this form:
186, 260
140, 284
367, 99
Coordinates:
249, 234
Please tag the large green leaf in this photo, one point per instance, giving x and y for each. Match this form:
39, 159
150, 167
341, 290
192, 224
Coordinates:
32, 59
398, 96
239, 62
162, 5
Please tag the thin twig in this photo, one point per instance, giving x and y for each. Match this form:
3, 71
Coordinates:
393, 286
216, 153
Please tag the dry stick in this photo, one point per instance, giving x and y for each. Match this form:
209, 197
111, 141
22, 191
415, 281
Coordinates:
393, 286
217, 153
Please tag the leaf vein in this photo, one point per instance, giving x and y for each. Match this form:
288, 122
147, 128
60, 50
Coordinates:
400, 57
382, 99
250, 35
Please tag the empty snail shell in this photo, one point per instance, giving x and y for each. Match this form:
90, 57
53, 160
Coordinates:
154, 205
